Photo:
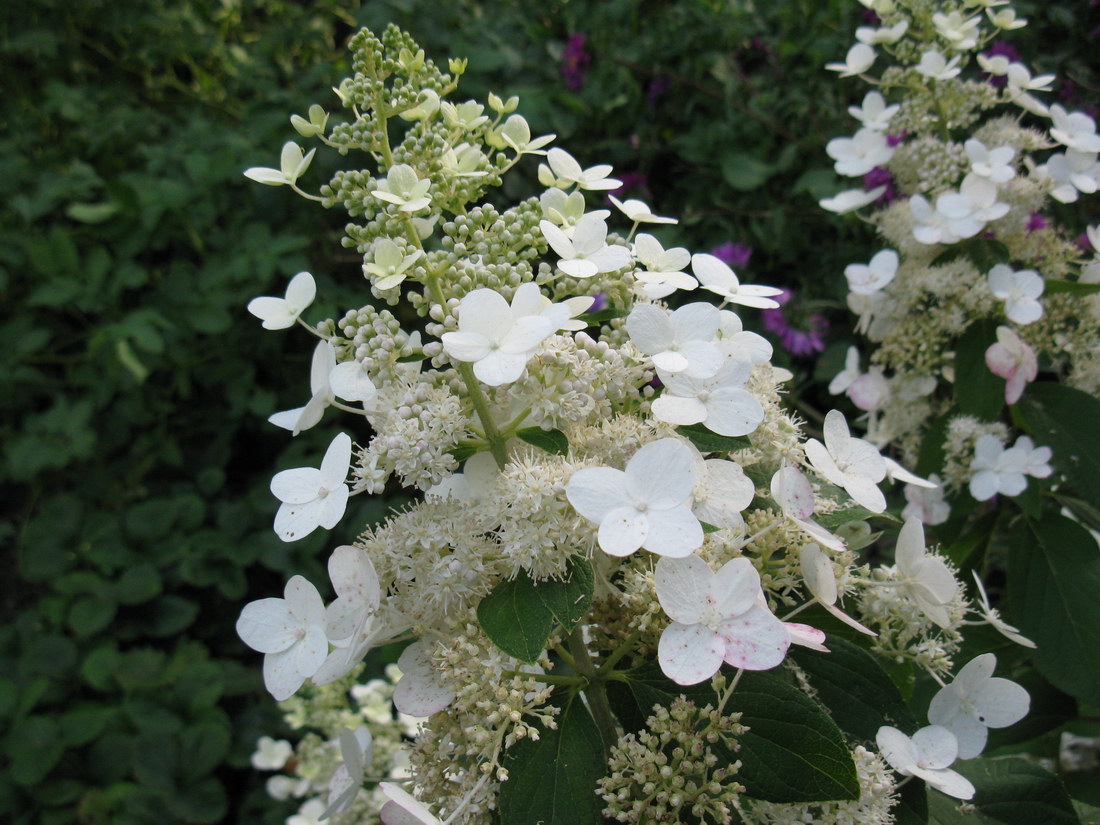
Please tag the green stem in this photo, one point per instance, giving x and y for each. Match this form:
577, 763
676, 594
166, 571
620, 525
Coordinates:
618, 653
594, 692
549, 678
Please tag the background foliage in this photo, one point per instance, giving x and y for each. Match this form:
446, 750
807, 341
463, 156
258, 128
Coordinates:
135, 452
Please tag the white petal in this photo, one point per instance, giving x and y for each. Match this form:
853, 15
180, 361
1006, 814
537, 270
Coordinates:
650, 328
937, 746
662, 473
755, 640
274, 312
295, 521
353, 575
817, 572
466, 346
1001, 703
682, 586
733, 412
420, 691
303, 601
596, 491
484, 312
673, 409
334, 467
689, 654
734, 588
675, 532
792, 492
267, 626
281, 677
350, 382
623, 531
526, 334
897, 749
301, 291
330, 509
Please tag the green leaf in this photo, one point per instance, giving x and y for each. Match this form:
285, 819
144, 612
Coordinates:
202, 747
411, 359
1064, 419
1053, 579
707, 441
552, 781
90, 614
602, 316
34, 746
465, 450
745, 172
709, 528
138, 584
570, 599
1053, 286
1017, 792
83, 724
978, 391
852, 684
551, 441
838, 518
641, 688
91, 212
202, 803
793, 751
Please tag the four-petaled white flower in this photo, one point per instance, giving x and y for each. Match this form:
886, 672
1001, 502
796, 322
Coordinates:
871, 390
303, 418
874, 113
271, 754
292, 165
715, 617
515, 133
957, 215
990, 614
679, 342
587, 252
858, 60
859, 154
1013, 360
997, 470
1005, 19
420, 691
663, 273
820, 579
529, 300
975, 702
865, 279
926, 503
290, 632
492, 336
638, 211
995, 164
390, 263
715, 275
1074, 129
851, 199
719, 402
928, 755
356, 749
566, 210
849, 462
282, 313
736, 342
959, 32
935, 66
885, 34
404, 189
562, 170
1071, 172
313, 498
927, 580
1020, 292
646, 506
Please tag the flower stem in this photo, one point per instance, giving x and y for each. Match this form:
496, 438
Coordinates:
548, 678
594, 692
618, 653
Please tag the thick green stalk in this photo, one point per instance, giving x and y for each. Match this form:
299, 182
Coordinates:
595, 692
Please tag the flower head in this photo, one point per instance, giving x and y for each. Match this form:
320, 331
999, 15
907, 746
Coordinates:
1013, 360
926, 755
292, 165
282, 313
715, 276
977, 701
849, 462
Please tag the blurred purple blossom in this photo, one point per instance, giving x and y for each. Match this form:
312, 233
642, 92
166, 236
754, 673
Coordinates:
736, 255
881, 177
895, 140
1036, 222
574, 62
799, 332
657, 87
637, 181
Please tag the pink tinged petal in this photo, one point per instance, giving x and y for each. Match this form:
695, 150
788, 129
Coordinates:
334, 467
755, 640
897, 749
623, 531
674, 532
267, 626
734, 587
936, 747
295, 521
499, 368
578, 268
650, 328
526, 334
673, 409
792, 492
682, 586
823, 462
303, 601
733, 412
662, 474
297, 486
689, 653
804, 635
1001, 703
344, 617
281, 676
466, 346
484, 312
595, 492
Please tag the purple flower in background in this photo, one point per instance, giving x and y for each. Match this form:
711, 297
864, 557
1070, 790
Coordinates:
895, 140
631, 180
799, 332
657, 87
880, 177
736, 255
574, 62
1036, 222
599, 303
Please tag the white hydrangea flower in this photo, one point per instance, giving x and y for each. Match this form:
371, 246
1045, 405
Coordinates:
864, 279
961, 33
716, 276
271, 754
318, 121
736, 342
1019, 290
925, 503
663, 273
567, 210
820, 578
1000, 471
1013, 360
928, 755
587, 252
390, 263
351, 382
292, 165
1005, 19
871, 391
516, 134
722, 493
403, 188
466, 116
925, 579
844, 379
303, 418
420, 691
858, 60
638, 211
1071, 172
356, 749
957, 215
562, 170
859, 154
290, 632
647, 506
995, 164
311, 813
720, 402
313, 498
282, 313
975, 702
874, 113
716, 618
884, 34
1075, 130
679, 342
528, 300
935, 66
849, 462
494, 338
851, 199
